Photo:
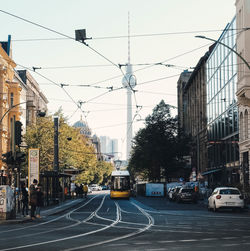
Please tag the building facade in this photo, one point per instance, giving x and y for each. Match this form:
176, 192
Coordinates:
192, 114
9, 108
243, 86
36, 100
222, 111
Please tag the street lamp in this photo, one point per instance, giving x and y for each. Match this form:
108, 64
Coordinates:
231, 49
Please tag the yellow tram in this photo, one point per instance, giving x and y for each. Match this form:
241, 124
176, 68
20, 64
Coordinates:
120, 185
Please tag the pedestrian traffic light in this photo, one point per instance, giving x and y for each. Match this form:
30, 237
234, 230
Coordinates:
18, 132
20, 157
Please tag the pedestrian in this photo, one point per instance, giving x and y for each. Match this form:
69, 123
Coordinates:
77, 190
81, 190
85, 190
39, 201
33, 198
24, 200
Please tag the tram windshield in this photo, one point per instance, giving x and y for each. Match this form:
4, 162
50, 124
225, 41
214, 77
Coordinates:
120, 183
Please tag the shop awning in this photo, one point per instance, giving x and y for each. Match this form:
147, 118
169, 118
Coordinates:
211, 171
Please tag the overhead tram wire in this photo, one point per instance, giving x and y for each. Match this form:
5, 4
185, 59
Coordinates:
58, 85
125, 36
64, 35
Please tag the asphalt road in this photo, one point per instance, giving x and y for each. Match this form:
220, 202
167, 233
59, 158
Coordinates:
99, 223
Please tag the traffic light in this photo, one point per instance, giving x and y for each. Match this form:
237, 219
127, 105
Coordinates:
18, 133
20, 157
8, 158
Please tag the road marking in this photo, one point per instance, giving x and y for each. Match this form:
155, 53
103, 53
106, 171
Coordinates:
142, 243
229, 238
118, 244
209, 239
229, 245
191, 240
167, 241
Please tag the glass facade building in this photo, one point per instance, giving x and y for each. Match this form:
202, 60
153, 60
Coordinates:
222, 110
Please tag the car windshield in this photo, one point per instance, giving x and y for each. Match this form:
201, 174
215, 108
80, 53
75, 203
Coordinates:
229, 191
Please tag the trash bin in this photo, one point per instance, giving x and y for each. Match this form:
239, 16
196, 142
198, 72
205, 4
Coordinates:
6, 202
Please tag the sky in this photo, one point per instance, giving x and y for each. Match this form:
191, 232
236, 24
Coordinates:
161, 31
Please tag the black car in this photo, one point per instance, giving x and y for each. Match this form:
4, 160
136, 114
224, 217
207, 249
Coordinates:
186, 195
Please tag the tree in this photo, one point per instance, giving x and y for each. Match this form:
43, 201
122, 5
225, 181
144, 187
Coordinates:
74, 152
156, 148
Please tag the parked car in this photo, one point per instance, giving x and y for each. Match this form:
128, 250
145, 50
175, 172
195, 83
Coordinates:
95, 187
186, 195
105, 187
170, 193
175, 192
225, 197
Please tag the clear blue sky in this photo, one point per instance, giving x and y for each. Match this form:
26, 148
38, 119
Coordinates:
102, 20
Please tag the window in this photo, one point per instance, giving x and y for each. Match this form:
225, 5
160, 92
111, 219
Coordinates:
246, 124
11, 99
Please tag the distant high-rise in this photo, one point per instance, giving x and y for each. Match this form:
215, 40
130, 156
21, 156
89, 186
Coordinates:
109, 146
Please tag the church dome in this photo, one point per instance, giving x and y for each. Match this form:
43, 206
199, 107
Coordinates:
84, 129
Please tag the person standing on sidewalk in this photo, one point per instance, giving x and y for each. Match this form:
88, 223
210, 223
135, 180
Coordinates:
25, 200
39, 201
33, 198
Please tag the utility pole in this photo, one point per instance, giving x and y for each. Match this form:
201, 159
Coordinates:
56, 148
56, 157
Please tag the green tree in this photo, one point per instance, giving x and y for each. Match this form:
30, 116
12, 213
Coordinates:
74, 148
156, 148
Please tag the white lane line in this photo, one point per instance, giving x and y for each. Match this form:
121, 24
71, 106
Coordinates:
230, 245
143, 243
229, 238
209, 239
117, 245
191, 240
155, 249
168, 241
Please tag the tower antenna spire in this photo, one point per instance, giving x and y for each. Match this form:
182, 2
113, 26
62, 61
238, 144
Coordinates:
128, 38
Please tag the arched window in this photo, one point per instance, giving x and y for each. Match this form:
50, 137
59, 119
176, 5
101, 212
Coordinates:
246, 124
241, 126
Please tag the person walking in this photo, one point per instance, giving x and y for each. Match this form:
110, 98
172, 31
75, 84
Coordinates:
25, 200
33, 199
39, 201
85, 190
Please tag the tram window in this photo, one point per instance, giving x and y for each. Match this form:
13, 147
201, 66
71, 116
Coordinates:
120, 183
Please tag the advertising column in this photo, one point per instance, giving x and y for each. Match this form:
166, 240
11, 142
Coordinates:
33, 165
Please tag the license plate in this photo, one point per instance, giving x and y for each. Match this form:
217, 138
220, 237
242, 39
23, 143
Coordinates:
230, 203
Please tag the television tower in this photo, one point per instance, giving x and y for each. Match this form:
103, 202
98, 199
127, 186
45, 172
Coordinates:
129, 82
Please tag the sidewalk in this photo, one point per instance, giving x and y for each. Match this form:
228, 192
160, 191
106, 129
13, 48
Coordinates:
45, 211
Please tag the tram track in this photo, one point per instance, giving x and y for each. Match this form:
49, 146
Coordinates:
67, 215
101, 227
78, 223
